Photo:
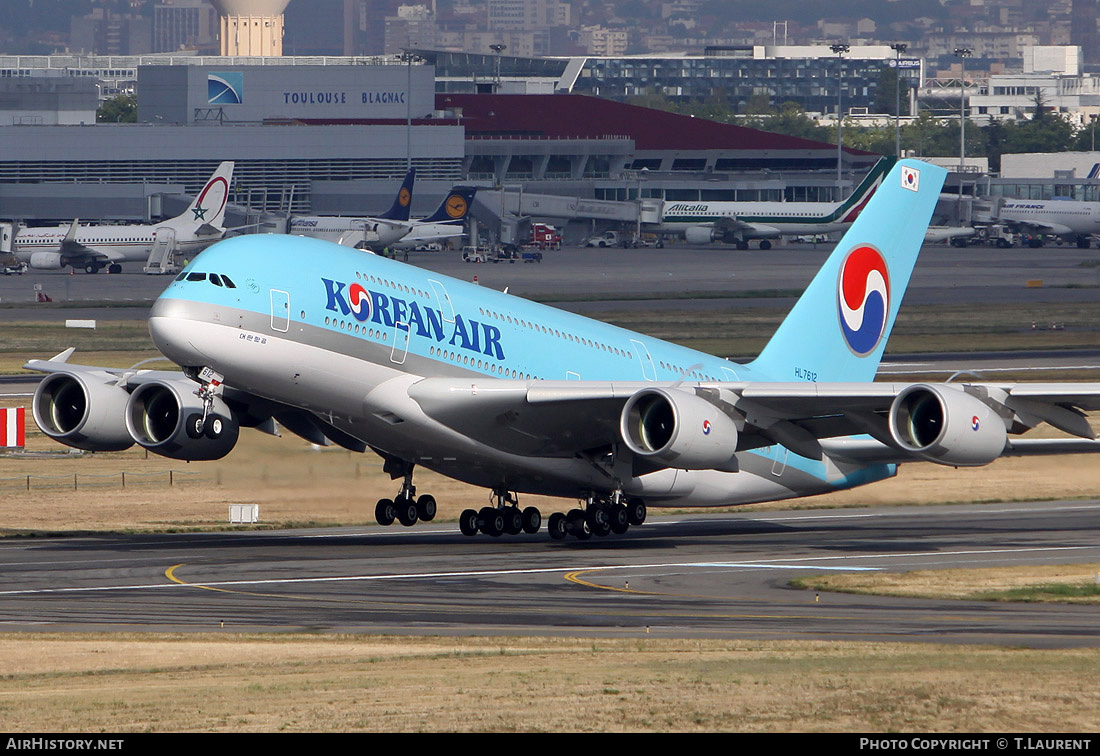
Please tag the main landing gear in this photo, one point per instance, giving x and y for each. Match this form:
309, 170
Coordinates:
406, 507
600, 517
505, 517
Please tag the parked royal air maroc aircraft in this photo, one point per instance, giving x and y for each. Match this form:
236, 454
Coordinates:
739, 222
388, 229
370, 353
95, 247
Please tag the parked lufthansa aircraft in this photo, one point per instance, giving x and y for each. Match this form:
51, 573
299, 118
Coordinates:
391, 229
369, 353
95, 247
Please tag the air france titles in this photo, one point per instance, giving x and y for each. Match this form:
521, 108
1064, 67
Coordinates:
386, 310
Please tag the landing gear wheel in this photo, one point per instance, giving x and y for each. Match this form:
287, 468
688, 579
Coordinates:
532, 520
91, 268
194, 425
513, 520
492, 521
636, 509
556, 526
114, 268
385, 512
596, 517
578, 525
765, 244
215, 426
406, 512
467, 522
619, 518
426, 507
742, 245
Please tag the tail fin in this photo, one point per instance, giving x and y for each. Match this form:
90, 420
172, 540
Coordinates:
208, 209
455, 206
399, 210
849, 209
838, 329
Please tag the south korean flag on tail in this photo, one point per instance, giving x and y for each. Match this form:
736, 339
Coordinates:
910, 178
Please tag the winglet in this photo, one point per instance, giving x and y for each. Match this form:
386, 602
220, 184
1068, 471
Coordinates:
63, 356
837, 330
70, 235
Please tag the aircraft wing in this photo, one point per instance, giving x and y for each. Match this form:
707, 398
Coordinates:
1039, 226
569, 418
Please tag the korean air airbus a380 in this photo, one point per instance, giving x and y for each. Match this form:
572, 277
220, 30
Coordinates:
500, 392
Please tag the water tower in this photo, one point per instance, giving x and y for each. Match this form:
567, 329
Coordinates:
251, 27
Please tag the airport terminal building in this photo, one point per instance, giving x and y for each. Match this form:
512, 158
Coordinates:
335, 136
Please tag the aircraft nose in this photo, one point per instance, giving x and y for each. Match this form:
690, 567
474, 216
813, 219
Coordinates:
171, 327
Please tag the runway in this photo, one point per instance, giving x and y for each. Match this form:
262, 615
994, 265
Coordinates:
705, 576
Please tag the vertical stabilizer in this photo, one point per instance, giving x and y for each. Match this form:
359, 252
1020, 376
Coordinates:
208, 208
455, 206
838, 329
399, 210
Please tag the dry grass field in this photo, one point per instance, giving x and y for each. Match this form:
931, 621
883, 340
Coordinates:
119, 683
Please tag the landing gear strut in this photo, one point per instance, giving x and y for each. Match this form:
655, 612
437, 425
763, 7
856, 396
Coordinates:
601, 516
207, 423
406, 507
502, 517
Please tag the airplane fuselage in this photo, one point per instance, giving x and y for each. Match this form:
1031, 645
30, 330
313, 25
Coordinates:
359, 343
117, 243
1061, 217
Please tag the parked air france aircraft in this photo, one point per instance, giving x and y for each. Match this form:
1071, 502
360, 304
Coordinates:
518, 397
738, 222
93, 247
384, 231
1068, 219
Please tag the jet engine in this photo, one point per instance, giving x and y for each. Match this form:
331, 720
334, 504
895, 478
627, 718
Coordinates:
947, 426
82, 410
47, 260
166, 418
701, 234
679, 429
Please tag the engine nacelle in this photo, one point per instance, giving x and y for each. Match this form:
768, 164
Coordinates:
679, 429
700, 235
165, 417
947, 426
82, 411
47, 260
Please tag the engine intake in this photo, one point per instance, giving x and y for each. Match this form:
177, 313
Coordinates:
82, 411
679, 429
947, 426
165, 417
47, 260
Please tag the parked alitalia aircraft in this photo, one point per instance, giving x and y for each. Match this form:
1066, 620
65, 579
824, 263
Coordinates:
391, 229
94, 247
738, 222
425, 370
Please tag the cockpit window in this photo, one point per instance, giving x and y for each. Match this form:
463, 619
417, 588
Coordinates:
181, 276
228, 282
196, 276
214, 279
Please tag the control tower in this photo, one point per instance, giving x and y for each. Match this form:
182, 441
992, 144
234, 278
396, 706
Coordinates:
251, 27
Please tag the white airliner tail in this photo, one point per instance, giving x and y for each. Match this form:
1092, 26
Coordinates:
208, 208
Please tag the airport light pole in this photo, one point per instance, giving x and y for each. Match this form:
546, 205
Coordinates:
962, 53
898, 48
408, 57
839, 50
498, 49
